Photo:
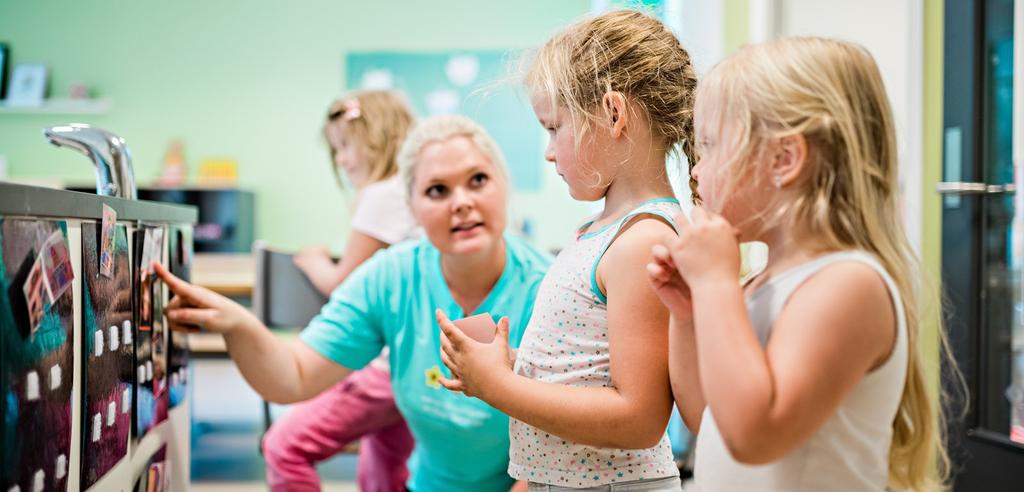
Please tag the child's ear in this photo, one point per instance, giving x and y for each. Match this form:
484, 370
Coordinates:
615, 110
790, 160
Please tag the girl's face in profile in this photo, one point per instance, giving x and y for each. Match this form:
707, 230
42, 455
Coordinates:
577, 165
349, 157
740, 199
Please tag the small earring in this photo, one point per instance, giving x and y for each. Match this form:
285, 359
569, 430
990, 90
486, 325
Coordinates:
778, 181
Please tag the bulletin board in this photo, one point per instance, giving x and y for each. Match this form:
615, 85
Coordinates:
477, 84
71, 416
108, 353
36, 356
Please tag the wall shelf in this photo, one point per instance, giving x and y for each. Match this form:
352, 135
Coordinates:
61, 106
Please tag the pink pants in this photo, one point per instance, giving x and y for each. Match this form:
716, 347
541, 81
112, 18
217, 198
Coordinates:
362, 405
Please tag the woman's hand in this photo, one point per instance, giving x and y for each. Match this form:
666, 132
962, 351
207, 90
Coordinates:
194, 308
316, 263
707, 250
475, 366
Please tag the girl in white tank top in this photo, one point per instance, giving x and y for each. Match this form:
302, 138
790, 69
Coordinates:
851, 450
810, 378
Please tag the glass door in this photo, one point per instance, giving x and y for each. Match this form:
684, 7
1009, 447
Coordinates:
983, 238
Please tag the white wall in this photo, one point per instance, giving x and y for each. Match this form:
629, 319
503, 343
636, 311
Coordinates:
702, 32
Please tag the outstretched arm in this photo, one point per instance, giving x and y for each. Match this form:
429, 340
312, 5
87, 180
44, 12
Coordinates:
280, 371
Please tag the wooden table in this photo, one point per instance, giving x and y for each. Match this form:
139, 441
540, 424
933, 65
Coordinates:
211, 345
229, 274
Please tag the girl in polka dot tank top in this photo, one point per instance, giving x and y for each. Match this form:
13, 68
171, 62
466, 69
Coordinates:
588, 391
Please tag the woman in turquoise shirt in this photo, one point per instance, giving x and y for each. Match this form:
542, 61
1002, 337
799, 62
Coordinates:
466, 264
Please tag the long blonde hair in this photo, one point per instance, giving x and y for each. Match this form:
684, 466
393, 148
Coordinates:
378, 122
832, 94
625, 51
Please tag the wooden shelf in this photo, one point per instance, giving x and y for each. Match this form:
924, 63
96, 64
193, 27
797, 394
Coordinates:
61, 106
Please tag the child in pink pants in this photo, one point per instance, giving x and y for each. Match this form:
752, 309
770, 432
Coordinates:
314, 430
363, 131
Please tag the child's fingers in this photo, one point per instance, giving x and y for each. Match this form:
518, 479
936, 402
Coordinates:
657, 273
661, 254
176, 326
447, 361
675, 251
663, 267
192, 316
455, 336
503, 328
444, 341
176, 303
452, 384
444, 323
180, 287
184, 328
447, 351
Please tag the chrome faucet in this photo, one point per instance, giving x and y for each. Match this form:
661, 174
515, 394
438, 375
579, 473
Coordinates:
109, 152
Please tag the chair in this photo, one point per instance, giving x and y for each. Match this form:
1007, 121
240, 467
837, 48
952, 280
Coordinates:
282, 297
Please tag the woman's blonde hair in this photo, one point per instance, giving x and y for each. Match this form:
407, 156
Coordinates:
377, 121
623, 51
442, 128
832, 94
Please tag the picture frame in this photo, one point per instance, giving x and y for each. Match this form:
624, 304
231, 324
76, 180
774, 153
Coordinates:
28, 85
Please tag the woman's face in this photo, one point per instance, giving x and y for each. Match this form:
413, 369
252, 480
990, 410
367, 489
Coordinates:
459, 197
349, 156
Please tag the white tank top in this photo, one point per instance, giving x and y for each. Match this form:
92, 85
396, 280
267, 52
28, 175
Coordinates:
851, 450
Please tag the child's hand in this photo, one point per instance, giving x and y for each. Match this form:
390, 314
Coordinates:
707, 249
520, 486
317, 264
474, 365
668, 284
194, 308
312, 253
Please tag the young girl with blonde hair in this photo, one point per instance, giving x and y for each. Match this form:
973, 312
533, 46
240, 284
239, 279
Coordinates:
364, 131
588, 391
810, 377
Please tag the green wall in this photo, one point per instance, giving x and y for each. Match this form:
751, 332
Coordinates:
931, 173
737, 25
249, 81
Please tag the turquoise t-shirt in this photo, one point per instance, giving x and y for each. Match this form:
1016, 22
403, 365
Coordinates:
461, 443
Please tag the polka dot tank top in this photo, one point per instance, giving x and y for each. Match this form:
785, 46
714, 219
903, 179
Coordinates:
566, 342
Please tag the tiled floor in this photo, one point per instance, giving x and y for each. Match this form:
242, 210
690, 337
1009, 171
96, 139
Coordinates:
225, 438
225, 457
227, 427
262, 487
